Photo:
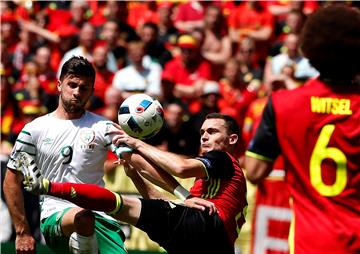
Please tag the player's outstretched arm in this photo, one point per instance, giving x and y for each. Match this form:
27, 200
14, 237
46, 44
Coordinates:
145, 188
161, 178
136, 164
172, 163
155, 175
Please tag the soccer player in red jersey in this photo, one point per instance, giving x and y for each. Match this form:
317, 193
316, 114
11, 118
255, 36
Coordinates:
317, 129
177, 228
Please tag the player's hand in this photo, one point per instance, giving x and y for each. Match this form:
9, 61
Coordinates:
115, 129
25, 244
201, 204
129, 170
121, 137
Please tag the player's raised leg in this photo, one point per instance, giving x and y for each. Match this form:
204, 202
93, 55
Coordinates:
82, 238
88, 196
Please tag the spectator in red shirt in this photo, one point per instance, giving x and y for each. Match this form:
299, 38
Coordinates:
190, 15
280, 8
76, 14
68, 39
251, 20
9, 28
141, 12
184, 76
236, 95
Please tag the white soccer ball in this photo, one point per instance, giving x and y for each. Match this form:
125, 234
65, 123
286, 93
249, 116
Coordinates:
141, 116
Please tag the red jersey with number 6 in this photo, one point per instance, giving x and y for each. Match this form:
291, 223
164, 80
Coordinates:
318, 130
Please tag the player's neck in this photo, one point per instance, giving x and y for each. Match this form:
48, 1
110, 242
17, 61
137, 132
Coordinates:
61, 113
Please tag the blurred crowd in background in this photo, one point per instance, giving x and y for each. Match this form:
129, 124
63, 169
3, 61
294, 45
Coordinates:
195, 57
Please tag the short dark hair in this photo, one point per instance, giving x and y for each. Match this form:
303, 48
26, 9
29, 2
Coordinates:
331, 41
231, 124
79, 66
152, 26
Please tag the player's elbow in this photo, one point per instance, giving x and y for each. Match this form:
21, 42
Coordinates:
189, 171
12, 184
252, 177
256, 170
181, 172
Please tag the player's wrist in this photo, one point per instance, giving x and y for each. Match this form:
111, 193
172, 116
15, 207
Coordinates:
181, 193
140, 145
22, 230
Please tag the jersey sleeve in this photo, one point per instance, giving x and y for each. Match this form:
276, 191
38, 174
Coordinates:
218, 164
25, 143
265, 145
108, 135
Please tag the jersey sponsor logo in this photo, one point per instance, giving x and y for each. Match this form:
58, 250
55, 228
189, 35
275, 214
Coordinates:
73, 193
87, 137
327, 105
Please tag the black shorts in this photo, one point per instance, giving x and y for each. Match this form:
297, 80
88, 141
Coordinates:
180, 229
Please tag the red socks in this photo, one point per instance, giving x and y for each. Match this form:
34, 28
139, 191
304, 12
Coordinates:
88, 196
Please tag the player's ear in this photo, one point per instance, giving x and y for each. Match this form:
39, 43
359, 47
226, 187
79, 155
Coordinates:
233, 139
59, 85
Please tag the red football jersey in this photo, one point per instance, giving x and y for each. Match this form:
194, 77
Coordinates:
176, 72
226, 188
318, 133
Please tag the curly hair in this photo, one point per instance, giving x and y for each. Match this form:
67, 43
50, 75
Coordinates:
331, 41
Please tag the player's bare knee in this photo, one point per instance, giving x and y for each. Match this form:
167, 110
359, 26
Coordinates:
84, 222
130, 212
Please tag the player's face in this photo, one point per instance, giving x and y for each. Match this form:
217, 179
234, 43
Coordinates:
214, 135
75, 91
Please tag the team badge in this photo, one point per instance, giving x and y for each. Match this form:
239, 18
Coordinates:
87, 137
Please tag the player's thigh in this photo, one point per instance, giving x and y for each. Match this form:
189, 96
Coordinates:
109, 235
67, 221
54, 236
